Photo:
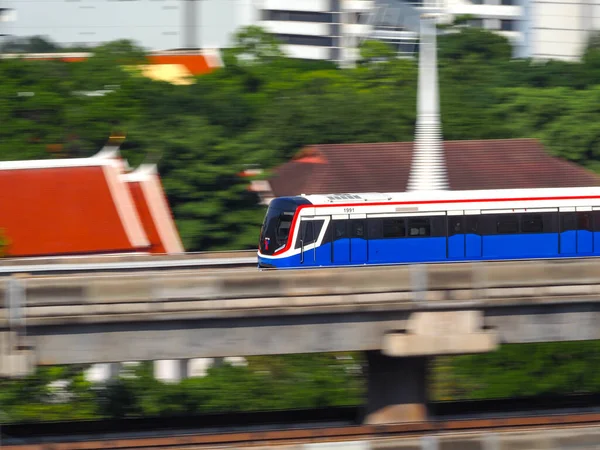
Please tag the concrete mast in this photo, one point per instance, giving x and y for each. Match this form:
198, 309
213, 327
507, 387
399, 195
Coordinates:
428, 171
190, 16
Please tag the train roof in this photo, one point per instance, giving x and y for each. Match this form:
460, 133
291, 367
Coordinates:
425, 196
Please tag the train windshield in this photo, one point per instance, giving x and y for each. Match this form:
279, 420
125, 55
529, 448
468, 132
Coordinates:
276, 227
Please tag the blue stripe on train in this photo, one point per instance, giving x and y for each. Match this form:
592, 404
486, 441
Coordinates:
434, 249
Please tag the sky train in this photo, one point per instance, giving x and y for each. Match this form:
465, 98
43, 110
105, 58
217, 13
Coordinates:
309, 231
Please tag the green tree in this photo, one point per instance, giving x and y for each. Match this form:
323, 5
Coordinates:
372, 51
212, 205
253, 45
34, 44
459, 43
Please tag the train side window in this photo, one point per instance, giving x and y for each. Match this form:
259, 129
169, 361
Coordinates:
580, 220
309, 232
596, 220
568, 221
455, 225
318, 226
488, 225
419, 228
507, 224
532, 223
358, 229
394, 228
374, 228
550, 222
328, 234
472, 224
584, 220
340, 229
438, 226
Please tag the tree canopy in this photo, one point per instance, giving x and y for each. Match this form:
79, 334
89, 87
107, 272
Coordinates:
261, 108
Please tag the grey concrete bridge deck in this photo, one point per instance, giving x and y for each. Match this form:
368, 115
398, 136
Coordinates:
186, 314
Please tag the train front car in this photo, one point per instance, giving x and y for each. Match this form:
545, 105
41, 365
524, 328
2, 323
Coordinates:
275, 249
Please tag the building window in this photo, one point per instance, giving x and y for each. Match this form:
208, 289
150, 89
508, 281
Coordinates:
508, 25
294, 39
296, 16
509, 2
476, 23
8, 15
357, 17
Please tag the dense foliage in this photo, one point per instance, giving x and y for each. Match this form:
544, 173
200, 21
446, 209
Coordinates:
294, 381
289, 382
260, 109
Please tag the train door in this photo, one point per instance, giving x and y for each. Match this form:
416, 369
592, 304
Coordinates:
567, 238
596, 228
473, 235
341, 240
306, 241
585, 236
455, 246
358, 239
576, 235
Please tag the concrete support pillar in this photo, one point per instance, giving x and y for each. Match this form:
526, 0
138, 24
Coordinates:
397, 389
101, 373
238, 361
171, 370
128, 369
199, 366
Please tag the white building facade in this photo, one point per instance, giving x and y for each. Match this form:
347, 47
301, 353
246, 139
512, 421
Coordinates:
333, 29
540, 29
310, 29
330, 29
559, 29
152, 24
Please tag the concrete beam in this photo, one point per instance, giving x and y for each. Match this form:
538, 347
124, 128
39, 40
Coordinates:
14, 360
187, 339
287, 334
441, 333
125, 317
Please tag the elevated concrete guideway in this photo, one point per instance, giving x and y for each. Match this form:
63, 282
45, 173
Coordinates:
116, 317
127, 263
400, 316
